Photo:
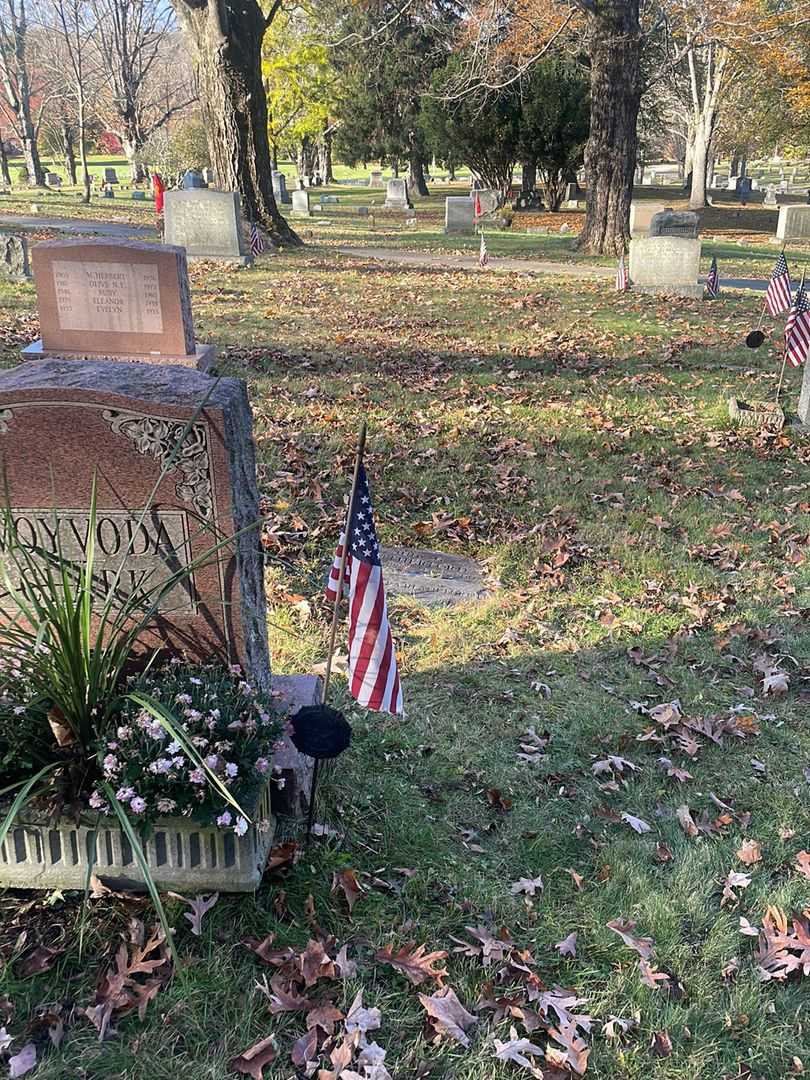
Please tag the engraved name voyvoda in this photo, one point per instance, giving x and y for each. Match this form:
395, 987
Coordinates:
130, 554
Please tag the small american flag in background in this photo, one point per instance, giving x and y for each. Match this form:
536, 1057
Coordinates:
256, 239
622, 277
483, 254
477, 205
797, 329
777, 298
713, 280
373, 675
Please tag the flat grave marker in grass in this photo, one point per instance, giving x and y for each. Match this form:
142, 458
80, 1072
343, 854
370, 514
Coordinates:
172, 457
117, 300
434, 578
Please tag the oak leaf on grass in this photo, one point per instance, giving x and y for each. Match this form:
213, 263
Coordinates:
447, 1016
414, 962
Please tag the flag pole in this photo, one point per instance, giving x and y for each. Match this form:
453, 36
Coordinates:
358, 461
784, 351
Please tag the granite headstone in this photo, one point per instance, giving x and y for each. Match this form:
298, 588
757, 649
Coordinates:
135, 430
208, 224
459, 215
396, 195
117, 299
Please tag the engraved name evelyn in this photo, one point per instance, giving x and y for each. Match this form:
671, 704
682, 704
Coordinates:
108, 296
130, 554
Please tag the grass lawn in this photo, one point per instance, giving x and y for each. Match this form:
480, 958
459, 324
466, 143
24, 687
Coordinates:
641, 552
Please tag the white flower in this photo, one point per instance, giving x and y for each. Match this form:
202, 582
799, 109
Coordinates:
173, 748
231, 769
137, 805
224, 820
165, 806
124, 794
241, 826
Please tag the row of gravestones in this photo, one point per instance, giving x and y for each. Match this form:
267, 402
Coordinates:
117, 393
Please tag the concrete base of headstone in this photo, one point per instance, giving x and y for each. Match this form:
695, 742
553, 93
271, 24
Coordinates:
666, 265
291, 693
203, 359
227, 260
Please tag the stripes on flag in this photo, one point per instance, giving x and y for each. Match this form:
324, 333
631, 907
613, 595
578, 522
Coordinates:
622, 277
373, 675
797, 329
477, 206
256, 240
713, 280
483, 254
777, 298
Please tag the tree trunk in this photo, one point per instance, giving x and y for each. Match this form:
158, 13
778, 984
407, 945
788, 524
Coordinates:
529, 181
700, 160
326, 155
83, 151
70, 152
225, 37
734, 164
5, 175
610, 155
395, 167
416, 176
451, 170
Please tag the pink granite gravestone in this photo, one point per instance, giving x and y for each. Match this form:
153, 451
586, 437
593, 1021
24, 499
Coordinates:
65, 423
117, 300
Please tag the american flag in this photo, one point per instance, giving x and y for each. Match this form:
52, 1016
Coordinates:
483, 255
713, 280
797, 329
477, 205
777, 298
373, 675
256, 240
622, 277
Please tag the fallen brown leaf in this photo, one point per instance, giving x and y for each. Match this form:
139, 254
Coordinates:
447, 1015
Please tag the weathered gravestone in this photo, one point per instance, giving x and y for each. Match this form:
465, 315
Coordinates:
53, 180
300, 204
280, 188
571, 200
375, 179
396, 195
432, 577
794, 222
666, 264
192, 179
459, 214
208, 224
208, 175
115, 299
770, 196
488, 200
69, 423
14, 257
110, 176
669, 222
642, 212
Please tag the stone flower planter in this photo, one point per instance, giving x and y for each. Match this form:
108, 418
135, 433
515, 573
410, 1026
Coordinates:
763, 415
181, 854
